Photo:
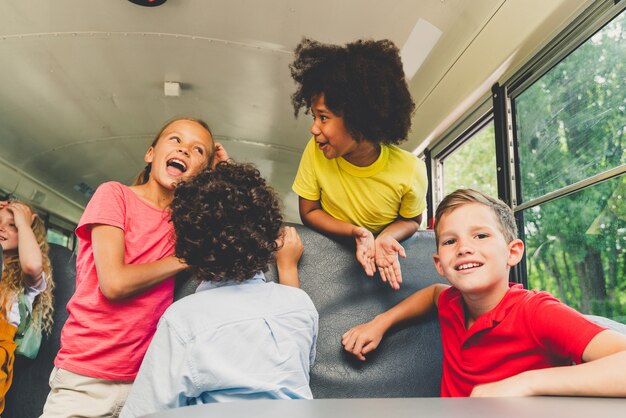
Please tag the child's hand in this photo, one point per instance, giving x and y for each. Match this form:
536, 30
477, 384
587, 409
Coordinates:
363, 338
387, 250
290, 250
290, 246
180, 261
365, 249
22, 215
220, 154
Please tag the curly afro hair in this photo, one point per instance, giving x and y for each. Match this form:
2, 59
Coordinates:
226, 222
363, 82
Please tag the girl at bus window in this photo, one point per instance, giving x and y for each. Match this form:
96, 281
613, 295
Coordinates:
26, 274
124, 275
352, 180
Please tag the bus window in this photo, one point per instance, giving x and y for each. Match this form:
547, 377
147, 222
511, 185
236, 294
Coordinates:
473, 164
575, 248
58, 237
571, 139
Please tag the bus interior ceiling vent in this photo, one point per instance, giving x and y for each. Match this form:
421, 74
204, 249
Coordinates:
148, 3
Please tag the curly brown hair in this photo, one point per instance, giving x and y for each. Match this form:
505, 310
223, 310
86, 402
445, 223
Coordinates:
362, 81
226, 222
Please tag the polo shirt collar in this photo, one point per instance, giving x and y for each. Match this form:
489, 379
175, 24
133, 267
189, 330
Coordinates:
258, 278
496, 315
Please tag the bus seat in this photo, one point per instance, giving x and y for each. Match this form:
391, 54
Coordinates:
29, 390
608, 323
408, 361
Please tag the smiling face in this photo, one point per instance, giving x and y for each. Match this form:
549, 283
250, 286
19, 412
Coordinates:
330, 131
472, 253
182, 151
8, 231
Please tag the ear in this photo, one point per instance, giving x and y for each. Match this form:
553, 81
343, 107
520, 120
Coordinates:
438, 266
516, 251
149, 155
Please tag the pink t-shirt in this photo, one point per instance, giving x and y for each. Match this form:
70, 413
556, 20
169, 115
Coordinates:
108, 339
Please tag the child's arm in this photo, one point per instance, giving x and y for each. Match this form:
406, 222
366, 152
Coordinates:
602, 374
31, 260
387, 248
288, 255
315, 217
364, 338
118, 280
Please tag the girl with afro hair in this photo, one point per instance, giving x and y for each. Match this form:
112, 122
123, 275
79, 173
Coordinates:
353, 180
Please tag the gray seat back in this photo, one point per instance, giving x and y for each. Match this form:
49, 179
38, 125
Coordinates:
408, 361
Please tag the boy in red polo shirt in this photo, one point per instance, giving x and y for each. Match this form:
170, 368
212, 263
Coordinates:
498, 338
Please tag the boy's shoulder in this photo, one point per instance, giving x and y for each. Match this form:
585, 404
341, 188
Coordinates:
226, 303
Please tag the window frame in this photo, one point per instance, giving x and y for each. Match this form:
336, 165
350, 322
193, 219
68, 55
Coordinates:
500, 108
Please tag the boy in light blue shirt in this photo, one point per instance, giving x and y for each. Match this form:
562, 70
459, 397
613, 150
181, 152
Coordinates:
238, 337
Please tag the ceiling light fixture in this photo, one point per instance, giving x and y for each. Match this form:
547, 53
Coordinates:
421, 41
148, 3
171, 88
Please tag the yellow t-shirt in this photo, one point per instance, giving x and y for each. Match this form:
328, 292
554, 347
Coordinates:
371, 197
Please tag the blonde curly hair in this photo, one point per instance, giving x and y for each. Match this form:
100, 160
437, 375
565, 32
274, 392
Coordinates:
12, 282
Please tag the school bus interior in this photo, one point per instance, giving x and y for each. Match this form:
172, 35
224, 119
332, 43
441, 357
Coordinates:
536, 87
87, 84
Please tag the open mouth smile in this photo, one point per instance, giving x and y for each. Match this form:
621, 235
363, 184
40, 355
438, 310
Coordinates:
179, 165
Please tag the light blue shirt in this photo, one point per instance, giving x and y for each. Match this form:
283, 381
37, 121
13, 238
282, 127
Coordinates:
228, 342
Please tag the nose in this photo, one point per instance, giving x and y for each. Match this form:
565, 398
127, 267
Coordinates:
184, 151
464, 247
315, 130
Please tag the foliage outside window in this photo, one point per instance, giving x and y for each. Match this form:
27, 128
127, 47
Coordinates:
473, 165
571, 125
576, 248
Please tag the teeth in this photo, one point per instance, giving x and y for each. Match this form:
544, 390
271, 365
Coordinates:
468, 266
178, 162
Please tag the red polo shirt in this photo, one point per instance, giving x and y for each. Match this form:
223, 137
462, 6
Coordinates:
527, 330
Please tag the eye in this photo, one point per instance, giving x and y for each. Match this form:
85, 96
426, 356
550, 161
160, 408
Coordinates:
482, 236
323, 118
199, 150
175, 139
448, 241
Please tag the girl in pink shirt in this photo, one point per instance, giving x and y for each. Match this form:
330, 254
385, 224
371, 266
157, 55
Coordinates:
124, 275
